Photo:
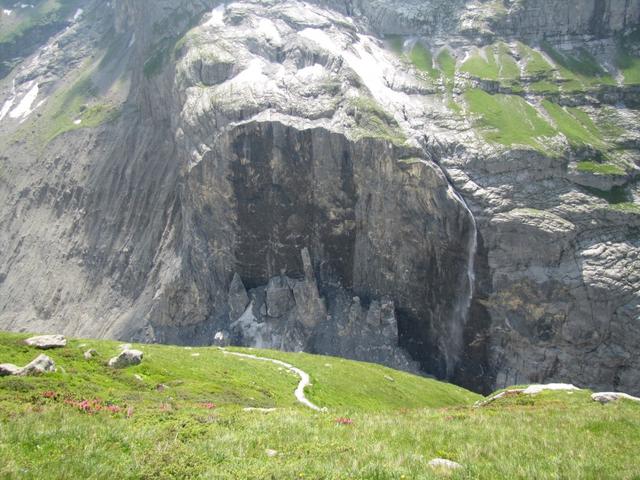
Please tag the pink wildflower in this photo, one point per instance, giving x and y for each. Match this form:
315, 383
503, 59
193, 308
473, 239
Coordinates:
344, 421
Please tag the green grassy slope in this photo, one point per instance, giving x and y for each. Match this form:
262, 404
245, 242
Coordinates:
512, 92
195, 427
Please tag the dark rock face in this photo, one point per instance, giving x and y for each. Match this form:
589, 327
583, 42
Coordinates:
553, 18
389, 235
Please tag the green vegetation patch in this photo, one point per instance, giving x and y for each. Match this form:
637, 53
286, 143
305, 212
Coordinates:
44, 12
396, 43
575, 125
600, 168
627, 207
492, 63
378, 387
579, 70
373, 121
508, 119
447, 64
535, 63
629, 66
544, 87
421, 57
80, 106
481, 64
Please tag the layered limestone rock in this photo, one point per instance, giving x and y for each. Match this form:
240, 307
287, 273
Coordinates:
272, 174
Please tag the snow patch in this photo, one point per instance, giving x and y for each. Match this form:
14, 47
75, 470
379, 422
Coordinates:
7, 12
217, 17
77, 121
9, 103
78, 14
23, 110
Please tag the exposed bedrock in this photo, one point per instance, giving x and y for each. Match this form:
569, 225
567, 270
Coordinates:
266, 191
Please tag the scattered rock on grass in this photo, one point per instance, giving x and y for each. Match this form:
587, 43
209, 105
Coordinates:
46, 342
7, 369
533, 389
89, 354
261, 410
444, 464
530, 390
271, 453
42, 364
126, 358
608, 397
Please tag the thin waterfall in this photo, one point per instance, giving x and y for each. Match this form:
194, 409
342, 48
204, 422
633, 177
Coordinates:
453, 345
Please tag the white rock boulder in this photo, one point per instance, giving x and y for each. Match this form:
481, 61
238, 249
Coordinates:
444, 464
42, 364
126, 359
45, 342
534, 389
608, 397
7, 369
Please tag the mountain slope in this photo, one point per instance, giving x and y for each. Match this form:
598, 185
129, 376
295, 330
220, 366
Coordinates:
448, 187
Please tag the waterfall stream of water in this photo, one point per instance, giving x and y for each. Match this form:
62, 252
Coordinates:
454, 344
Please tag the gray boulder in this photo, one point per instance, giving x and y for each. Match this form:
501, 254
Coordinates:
126, 358
46, 342
42, 364
608, 397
